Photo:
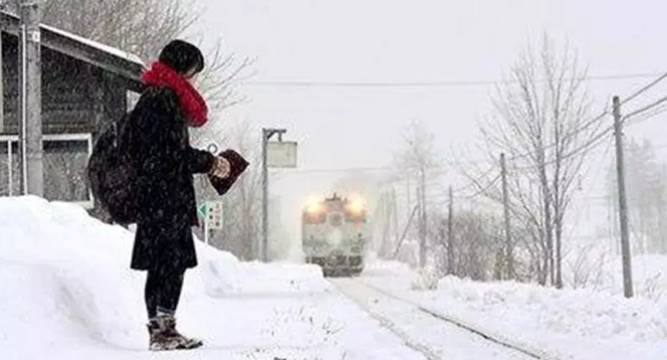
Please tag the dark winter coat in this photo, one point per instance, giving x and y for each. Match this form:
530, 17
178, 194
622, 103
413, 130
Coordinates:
165, 162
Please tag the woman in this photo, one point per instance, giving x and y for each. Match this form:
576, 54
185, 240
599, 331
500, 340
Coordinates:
165, 163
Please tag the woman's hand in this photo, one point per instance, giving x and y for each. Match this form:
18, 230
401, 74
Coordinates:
220, 168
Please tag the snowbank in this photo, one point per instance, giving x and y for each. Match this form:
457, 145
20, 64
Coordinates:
584, 324
594, 266
68, 294
67, 289
573, 323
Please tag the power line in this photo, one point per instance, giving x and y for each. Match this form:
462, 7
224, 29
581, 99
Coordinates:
644, 89
378, 169
591, 143
338, 170
462, 189
595, 140
472, 183
649, 111
606, 112
413, 84
587, 125
645, 108
649, 115
493, 182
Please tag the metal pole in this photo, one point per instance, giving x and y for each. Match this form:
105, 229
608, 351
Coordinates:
622, 201
509, 256
31, 99
206, 229
450, 234
265, 198
266, 136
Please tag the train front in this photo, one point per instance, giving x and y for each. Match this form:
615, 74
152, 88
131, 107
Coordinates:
335, 235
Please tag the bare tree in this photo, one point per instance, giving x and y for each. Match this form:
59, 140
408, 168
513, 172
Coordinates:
138, 26
418, 157
143, 27
542, 123
586, 266
474, 258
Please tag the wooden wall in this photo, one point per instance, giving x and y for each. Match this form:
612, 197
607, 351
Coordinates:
76, 97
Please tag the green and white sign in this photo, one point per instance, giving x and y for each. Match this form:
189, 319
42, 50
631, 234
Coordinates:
201, 211
211, 212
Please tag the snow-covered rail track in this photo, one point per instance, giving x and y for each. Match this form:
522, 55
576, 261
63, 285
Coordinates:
435, 335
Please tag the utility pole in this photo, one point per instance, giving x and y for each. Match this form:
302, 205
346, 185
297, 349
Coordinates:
384, 206
408, 191
622, 201
30, 90
394, 208
509, 256
450, 234
263, 248
422, 218
405, 230
661, 216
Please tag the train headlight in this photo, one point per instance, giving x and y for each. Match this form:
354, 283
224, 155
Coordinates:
314, 214
355, 211
314, 209
314, 206
356, 206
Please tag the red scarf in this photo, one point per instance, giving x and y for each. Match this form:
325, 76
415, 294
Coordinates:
192, 102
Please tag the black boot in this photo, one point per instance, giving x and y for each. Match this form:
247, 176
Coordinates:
159, 340
168, 324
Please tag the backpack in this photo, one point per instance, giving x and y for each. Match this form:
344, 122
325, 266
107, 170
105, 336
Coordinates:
111, 174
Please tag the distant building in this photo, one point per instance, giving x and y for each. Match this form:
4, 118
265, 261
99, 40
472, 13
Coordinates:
85, 85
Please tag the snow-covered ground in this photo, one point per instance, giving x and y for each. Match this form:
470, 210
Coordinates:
586, 324
67, 293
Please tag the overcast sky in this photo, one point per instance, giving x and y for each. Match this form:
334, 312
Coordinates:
416, 41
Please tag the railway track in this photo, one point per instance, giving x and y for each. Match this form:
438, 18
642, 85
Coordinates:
435, 335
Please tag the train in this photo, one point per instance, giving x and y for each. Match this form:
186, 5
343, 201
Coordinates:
335, 235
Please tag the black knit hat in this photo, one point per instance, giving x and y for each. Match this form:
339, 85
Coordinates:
182, 57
